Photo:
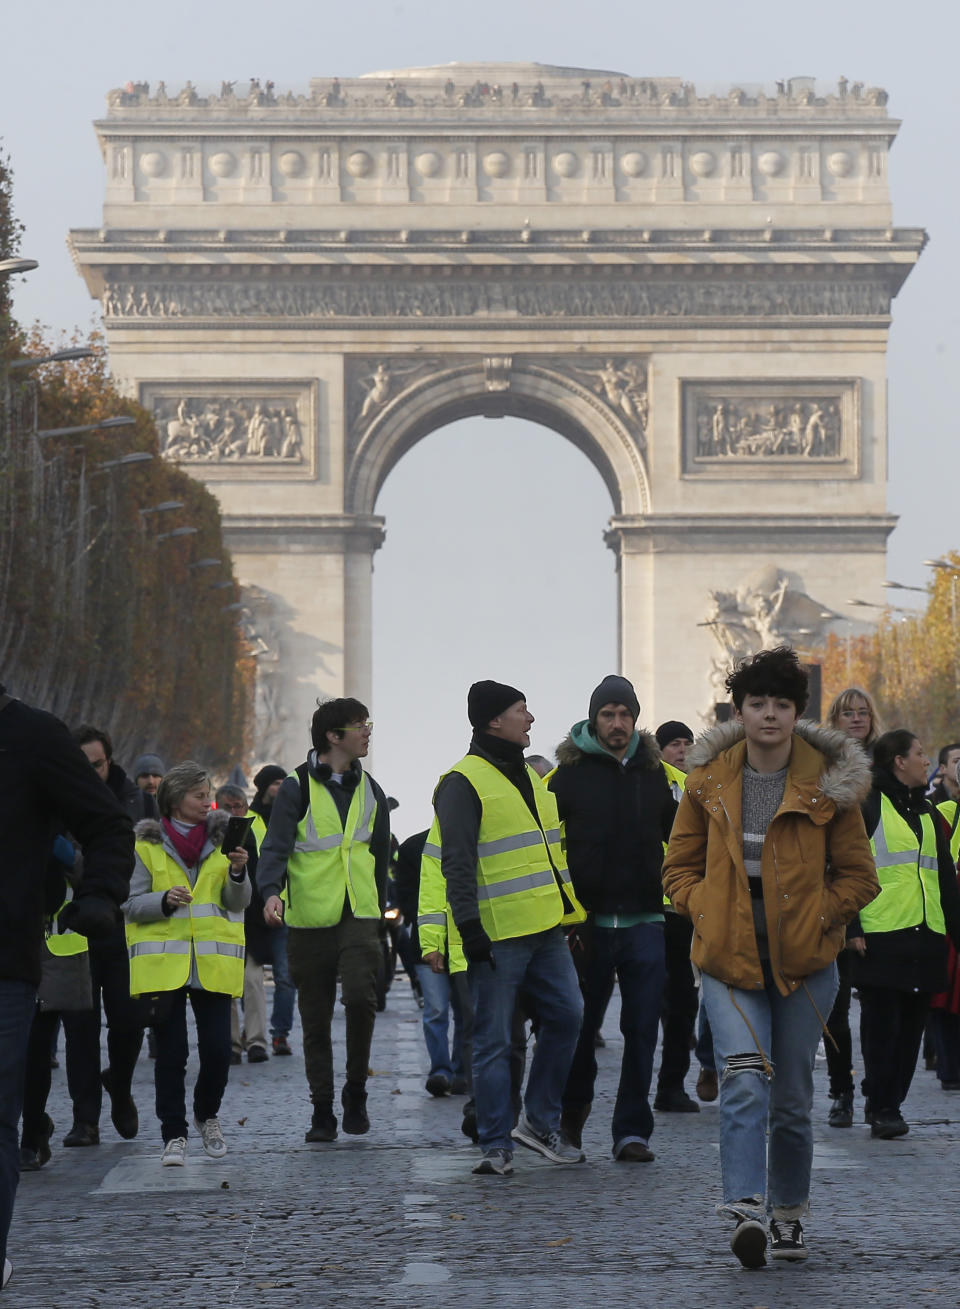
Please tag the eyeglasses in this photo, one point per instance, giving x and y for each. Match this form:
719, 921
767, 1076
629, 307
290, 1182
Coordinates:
359, 727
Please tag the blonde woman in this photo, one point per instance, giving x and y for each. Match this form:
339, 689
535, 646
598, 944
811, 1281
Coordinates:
854, 713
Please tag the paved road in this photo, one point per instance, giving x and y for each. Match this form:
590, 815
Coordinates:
396, 1218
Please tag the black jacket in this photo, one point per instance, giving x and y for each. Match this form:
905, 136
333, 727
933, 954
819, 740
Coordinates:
913, 958
47, 785
406, 884
616, 818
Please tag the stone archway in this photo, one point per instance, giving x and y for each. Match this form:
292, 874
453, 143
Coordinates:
695, 290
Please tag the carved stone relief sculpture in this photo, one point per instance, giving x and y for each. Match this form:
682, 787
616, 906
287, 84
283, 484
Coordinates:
769, 608
732, 427
226, 424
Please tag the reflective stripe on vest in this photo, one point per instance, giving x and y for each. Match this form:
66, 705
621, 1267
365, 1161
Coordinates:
521, 865
160, 953
332, 861
951, 812
909, 875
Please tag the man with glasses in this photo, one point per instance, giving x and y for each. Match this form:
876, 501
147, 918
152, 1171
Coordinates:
327, 850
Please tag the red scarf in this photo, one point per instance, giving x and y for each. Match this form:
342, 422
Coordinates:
188, 845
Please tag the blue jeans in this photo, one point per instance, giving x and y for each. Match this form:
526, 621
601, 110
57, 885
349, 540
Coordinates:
636, 955
753, 1100
18, 1001
439, 1001
542, 965
284, 991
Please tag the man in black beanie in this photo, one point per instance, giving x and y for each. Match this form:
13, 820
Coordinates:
617, 809
509, 891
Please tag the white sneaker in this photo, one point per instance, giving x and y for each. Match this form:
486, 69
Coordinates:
174, 1153
213, 1142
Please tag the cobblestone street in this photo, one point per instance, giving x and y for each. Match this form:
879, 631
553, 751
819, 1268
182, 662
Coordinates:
397, 1218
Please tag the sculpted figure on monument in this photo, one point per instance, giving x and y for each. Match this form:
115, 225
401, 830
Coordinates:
211, 430
624, 388
760, 428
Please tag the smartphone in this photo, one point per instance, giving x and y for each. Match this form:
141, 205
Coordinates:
235, 834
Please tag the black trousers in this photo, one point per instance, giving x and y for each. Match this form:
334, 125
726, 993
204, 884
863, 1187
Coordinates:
110, 978
211, 1011
840, 1059
678, 1013
891, 1029
36, 1085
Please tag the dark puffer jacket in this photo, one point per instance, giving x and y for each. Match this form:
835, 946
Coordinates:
616, 818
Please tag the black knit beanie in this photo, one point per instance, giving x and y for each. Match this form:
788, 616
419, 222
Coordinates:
672, 731
268, 774
614, 690
487, 700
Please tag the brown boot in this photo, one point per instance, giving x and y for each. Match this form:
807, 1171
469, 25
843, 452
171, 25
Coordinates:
571, 1124
707, 1086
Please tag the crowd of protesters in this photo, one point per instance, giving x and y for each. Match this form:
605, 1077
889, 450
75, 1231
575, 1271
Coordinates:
739, 889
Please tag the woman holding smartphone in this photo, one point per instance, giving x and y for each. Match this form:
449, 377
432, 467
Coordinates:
185, 938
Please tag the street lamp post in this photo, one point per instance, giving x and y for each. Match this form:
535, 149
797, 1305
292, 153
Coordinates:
107, 424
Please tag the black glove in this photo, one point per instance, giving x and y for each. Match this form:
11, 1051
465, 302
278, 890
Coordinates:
92, 916
477, 946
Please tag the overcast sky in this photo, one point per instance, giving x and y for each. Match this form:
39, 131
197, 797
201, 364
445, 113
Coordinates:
520, 552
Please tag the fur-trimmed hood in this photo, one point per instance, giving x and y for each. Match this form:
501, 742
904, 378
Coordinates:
647, 754
845, 776
151, 829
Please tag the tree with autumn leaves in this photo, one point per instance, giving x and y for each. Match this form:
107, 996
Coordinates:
909, 664
104, 616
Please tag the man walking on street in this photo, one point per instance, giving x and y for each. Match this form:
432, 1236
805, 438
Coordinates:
328, 842
509, 891
617, 809
46, 785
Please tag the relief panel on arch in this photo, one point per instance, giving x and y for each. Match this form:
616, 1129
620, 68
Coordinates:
245, 430
771, 429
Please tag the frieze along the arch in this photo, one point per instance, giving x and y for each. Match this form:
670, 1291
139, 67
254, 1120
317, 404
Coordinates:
472, 299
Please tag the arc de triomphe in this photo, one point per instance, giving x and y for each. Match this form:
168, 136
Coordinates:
693, 289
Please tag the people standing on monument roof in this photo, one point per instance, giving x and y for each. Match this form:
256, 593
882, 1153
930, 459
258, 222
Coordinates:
680, 999
853, 713
615, 803
498, 838
770, 860
900, 939
327, 850
185, 940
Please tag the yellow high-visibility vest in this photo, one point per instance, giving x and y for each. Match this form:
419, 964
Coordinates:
521, 865
909, 875
160, 953
332, 860
949, 809
435, 926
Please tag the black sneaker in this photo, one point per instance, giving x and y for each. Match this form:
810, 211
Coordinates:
749, 1242
841, 1110
469, 1124
886, 1125
438, 1084
123, 1110
355, 1121
323, 1125
675, 1102
786, 1240
81, 1134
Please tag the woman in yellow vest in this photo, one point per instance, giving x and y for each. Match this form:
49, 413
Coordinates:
899, 940
185, 937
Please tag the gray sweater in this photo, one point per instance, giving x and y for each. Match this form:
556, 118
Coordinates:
762, 797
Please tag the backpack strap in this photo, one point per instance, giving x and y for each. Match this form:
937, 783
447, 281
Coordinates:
303, 774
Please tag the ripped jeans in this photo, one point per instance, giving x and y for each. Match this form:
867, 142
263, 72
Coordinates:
762, 1117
